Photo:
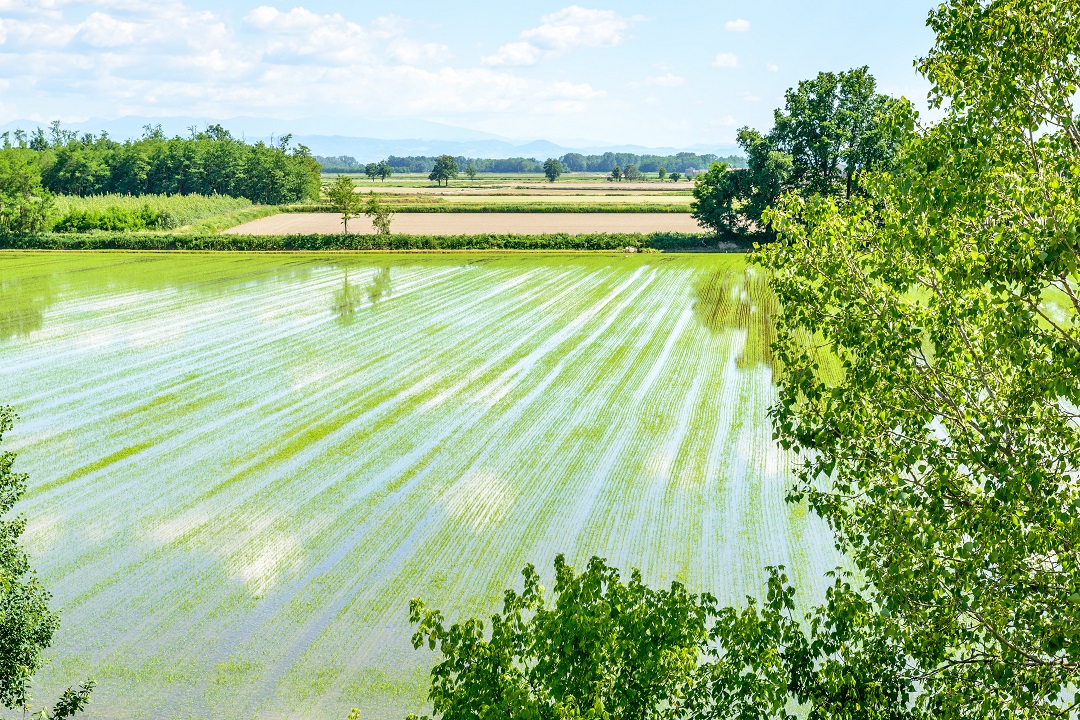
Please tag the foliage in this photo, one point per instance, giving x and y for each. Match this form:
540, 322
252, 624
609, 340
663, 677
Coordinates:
607, 649
832, 128
470, 171
945, 454
661, 174
602, 648
675, 177
552, 169
26, 622
71, 703
384, 170
211, 162
343, 198
149, 212
380, 214
445, 170
631, 173
372, 171
616, 173
25, 206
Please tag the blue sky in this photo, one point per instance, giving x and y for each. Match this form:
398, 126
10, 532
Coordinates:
651, 73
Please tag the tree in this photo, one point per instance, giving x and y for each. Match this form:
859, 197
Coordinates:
609, 648
936, 408
470, 171
832, 129
343, 198
384, 170
616, 173
446, 169
372, 171
380, 214
661, 174
731, 202
26, 622
631, 173
603, 647
675, 177
552, 169
26, 208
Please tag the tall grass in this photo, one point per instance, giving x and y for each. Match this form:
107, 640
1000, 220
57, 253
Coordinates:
146, 212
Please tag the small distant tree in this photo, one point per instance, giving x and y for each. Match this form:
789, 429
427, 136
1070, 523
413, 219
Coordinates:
552, 169
470, 171
343, 198
661, 174
384, 170
446, 169
380, 214
631, 173
676, 177
372, 171
616, 173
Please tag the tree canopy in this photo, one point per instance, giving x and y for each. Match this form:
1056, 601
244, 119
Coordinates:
944, 450
207, 163
445, 170
831, 129
552, 169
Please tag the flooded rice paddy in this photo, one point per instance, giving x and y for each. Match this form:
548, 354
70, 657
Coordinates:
242, 467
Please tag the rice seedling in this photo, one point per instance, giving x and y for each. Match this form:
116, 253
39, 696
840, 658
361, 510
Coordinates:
244, 466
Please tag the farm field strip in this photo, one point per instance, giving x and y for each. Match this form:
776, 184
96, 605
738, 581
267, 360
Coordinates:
449, 223
244, 466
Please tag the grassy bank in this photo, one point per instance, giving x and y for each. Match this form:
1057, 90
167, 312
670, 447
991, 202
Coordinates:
669, 242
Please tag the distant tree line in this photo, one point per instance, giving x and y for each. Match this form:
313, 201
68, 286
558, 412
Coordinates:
210, 162
571, 162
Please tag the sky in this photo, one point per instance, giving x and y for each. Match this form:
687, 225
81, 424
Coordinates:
661, 74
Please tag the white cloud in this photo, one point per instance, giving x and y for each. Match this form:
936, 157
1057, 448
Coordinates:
666, 80
725, 121
739, 26
101, 30
725, 60
568, 29
518, 53
772, 67
575, 27
166, 58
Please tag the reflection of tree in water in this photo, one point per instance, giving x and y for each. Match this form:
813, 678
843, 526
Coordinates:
23, 304
380, 286
348, 299
739, 300
345, 300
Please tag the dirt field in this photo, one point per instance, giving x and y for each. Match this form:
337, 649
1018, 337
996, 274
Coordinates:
475, 223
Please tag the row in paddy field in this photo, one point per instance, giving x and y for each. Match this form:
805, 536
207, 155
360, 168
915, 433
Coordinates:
674, 181
243, 467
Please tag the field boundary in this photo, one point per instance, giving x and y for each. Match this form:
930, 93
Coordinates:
662, 242
523, 208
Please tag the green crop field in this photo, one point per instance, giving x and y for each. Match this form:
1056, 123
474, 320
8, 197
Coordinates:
242, 466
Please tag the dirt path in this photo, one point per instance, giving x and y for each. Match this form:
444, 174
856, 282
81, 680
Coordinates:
475, 224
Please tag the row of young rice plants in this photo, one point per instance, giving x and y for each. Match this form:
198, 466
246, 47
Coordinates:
244, 466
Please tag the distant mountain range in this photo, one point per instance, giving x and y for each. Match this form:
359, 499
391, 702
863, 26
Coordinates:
370, 140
